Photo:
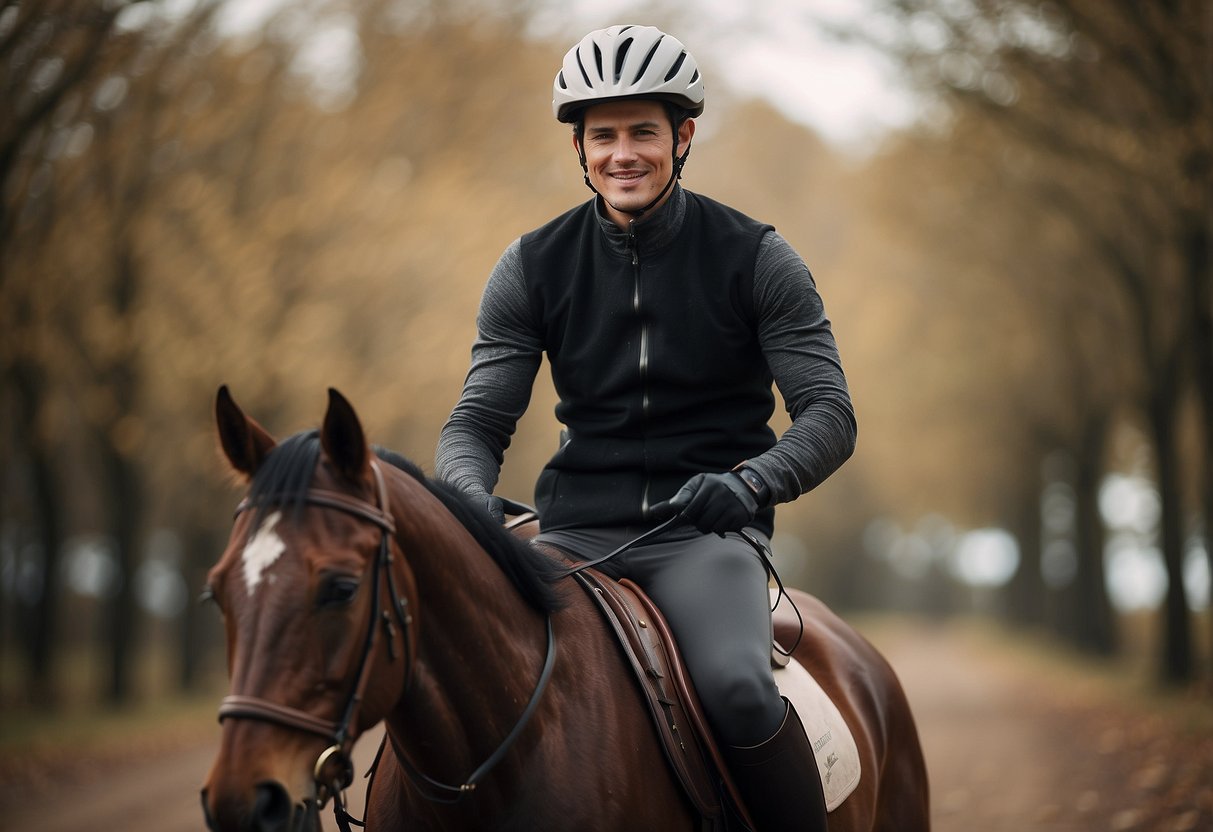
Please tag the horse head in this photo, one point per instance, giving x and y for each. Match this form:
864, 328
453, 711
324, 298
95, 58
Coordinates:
314, 604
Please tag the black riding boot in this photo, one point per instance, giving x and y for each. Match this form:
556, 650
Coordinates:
779, 782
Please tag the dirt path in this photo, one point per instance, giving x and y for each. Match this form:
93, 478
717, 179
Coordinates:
156, 793
1014, 743
1009, 747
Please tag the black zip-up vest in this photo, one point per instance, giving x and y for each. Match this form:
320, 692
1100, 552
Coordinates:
655, 357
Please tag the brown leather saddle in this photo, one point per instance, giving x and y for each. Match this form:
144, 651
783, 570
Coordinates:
649, 648
678, 717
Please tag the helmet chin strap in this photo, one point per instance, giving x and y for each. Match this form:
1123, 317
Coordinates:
675, 175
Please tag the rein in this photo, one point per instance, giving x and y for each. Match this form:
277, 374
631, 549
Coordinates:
649, 535
764, 554
333, 771
444, 793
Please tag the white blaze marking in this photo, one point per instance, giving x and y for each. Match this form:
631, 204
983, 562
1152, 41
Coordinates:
261, 552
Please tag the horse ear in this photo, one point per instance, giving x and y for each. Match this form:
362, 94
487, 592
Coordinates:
343, 440
245, 443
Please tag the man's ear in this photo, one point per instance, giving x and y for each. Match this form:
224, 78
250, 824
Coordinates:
686, 132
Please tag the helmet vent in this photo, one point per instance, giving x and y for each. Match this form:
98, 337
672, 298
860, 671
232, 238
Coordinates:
620, 55
677, 66
647, 60
598, 63
560, 80
585, 75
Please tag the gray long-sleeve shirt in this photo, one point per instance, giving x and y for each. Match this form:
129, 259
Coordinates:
793, 331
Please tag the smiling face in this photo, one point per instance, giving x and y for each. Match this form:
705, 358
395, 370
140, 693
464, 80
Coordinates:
629, 153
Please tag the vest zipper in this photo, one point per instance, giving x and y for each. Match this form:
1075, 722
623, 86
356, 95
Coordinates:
634, 249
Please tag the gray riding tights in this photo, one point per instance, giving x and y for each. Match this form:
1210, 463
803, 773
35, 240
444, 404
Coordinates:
713, 593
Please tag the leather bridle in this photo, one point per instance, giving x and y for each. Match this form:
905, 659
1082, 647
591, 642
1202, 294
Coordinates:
334, 769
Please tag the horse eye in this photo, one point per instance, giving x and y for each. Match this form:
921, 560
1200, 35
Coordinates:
340, 589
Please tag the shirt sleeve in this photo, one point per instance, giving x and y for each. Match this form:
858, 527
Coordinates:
505, 359
799, 346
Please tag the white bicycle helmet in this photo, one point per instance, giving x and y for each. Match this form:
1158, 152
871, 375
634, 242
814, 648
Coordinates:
626, 62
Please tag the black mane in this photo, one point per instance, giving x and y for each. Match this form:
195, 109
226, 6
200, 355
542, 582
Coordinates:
286, 475
531, 571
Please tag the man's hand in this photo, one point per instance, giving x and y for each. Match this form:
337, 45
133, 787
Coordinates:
493, 506
712, 503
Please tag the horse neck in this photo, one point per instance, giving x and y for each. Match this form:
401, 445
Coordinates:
480, 646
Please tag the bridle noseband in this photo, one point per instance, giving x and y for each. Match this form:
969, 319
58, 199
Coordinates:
334, 769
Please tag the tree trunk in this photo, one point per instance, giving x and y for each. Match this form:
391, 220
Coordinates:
1199, 267
41, 619
122, 485
122, 477
43, 630
1177, 638
1094, 625
1026, 590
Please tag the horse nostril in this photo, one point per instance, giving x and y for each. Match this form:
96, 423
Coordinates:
206, 811
271, 808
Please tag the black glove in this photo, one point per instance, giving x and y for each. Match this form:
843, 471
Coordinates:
493, 506
712, 503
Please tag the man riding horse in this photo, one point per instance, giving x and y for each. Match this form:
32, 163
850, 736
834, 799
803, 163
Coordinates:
666, 317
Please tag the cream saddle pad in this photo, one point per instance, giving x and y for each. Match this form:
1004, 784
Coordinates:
833, 744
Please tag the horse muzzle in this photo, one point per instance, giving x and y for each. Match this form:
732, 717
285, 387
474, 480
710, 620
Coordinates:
268, 809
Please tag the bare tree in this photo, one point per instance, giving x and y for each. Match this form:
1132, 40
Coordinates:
52, 57
1118, 93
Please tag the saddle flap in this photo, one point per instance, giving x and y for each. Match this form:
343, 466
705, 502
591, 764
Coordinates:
677, 717
833, 743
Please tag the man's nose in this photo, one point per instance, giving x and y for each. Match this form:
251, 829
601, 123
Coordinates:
625, 148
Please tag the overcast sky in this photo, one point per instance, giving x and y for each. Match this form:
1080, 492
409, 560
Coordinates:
772, 49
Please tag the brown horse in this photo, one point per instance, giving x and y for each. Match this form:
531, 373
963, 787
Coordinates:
354, 590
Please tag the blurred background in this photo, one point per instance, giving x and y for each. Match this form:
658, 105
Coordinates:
1006, 205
